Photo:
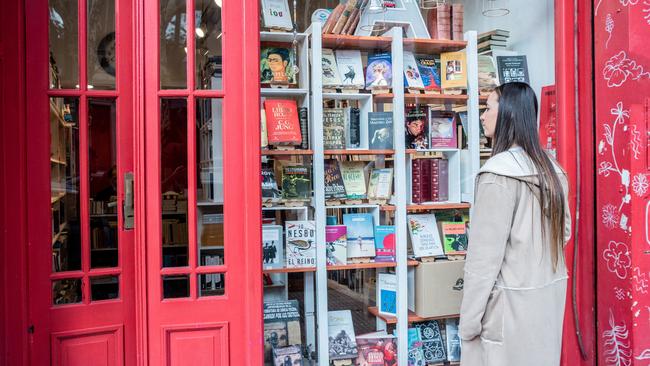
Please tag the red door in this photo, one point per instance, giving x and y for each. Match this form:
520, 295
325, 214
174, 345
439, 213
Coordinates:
201, 182
79, 152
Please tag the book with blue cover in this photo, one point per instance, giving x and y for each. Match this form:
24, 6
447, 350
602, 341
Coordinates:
360, 235
387, 293
379, 73
416, 353
385, 243
429, 72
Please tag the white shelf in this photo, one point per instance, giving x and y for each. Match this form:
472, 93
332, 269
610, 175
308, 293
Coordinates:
347, 96
280, 36
283, 92
353, 206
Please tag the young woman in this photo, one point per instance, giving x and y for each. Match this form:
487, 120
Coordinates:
515, 274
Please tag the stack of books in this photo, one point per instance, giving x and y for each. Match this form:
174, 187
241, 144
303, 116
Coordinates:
493, 40
446, 22
345, 17
429, 180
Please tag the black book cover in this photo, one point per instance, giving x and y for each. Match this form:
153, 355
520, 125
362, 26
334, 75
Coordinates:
296, 182
417, 128
269, 184
304, 127
512, 68
334, 187
334, 128
354, 128
380, 130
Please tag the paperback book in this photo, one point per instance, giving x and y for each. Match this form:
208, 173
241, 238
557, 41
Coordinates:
487, 75
433, 346
412, 78
277, 66
453, 340
425, 239
286, 356
416, 353
429, 72
337, 246
387, 293
379, 74
296, 182
276, 14
385, 243
334, 187
417, 128
454, 238
377, 349
304, 127
350, 68
281, 326
272, 246
360, 235
513, 69
380, 186
269, 184
301, 244
442, 129
334, 128
380, 130
342, 342
352, 128
354, 179
454, 70
331, 77
282, 125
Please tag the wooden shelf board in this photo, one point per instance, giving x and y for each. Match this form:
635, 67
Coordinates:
482, 99
359, 152
422, 98
412, 318
387, 208
290, 270
267, 36
287, 152
336, 41
432, 46
438, 206
281, 92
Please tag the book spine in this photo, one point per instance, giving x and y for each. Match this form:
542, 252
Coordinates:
435, 180
355, 128
426, 180
264, 133
348, 24
304, 127
443, 180
457, 22
345, 15
416, 181
444, 22
333, 18
432, 20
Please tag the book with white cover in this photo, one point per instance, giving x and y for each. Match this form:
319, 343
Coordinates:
412, 78
350, 68
276, 14
425, 238
342, 340
330, 70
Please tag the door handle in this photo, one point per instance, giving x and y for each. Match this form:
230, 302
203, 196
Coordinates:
127, 204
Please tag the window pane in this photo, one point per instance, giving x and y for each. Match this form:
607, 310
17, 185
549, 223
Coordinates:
105, 288
208, 31
102, 165
212, 284
176, 286
64, 54
64, 183
173, 44
101, 57
173, 175
66, 291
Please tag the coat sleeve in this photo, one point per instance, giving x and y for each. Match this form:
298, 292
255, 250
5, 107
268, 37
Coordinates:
490, 226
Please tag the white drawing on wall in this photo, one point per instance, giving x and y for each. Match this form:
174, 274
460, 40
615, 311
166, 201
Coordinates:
617, 346
619, 68
622, 223
635, 142
645, 355
640, 280
619, 293
646, 10
640, 184
618, 258
610, 216
609, 27
647, 223
628, 2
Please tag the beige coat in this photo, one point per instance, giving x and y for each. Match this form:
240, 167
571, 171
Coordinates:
513, 304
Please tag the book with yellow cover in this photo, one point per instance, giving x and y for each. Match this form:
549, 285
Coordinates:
454, 70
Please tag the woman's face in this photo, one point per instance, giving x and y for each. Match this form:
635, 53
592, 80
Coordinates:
489, 117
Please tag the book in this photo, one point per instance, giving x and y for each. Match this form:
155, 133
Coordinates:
454, 70
454, 236
296, 182
264, 136
353, 128
376, 349
333, 128
345, 15
281, 326
416, 353
380, 130
453, 340
331, 76
380, 185
354, 179
350, 68
272, 246
429, 72
334, 188
360, 235
379, 74
439, 180
291, 355
442, 129
337, 247
276, 14
425, 239
333, 18
269, 184
443, 21
457, 14
387, 293
282, 123
412, 78
385, 243
304, 127
277, 66
487, 75
512, 69
420, 181
301, 244
494, 33
492, 43
417, 127
342, 340
432, 344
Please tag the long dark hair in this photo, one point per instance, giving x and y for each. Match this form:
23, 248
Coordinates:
517, 124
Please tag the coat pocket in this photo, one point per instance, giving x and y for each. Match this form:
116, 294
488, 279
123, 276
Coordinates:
492, 322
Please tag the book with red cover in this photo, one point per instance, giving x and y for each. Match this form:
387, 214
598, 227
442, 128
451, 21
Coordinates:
439, 180
457, 13
416, 181
444, 21
282, 123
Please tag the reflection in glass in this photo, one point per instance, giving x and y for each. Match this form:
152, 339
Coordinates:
64, 184
173, 44
173, 175
212, 284
63, 35
105, 288
66, 291
208, 30
176, 286
101, 44
102, 166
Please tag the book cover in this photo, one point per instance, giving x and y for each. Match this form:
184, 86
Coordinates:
487, 75
350, 5
513, 68
352, 128
334, 188
453, 340
337, 245
301, 244
429, 72
454, 237
454, 70
354, 179
276, 15
432, 345
281, 326
417, 127
333, 128
425, 239
333, 18
350, 68
416, 353
277, 66
380, 130
385, 243
442, 129
285, 356
380, 186
272, 246
331, 76
379, 74
304, 127
360, 235
444, 21
342, 340
296, 182
282, 125
387, 293
412, 78
264, 134
269, 184
377, 349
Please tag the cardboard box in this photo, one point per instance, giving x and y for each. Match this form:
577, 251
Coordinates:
438, 288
